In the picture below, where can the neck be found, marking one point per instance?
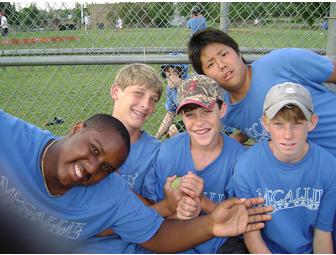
(213, 146)
(134, 133)
(49, 169)
(204, 155)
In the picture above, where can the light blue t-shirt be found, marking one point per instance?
(302, 194)
(139, 161)
(294, 65)
(174, 158)
(197, 24)
(171, 101)
(80, 213)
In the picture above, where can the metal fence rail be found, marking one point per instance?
(59, 60)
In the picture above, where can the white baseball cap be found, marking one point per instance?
(288, 93)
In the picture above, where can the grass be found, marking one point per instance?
(248, 36)
(38, 94)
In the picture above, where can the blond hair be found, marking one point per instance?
(290, 113)
(139, 74)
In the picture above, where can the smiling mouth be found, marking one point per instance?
(202, 132)
(78, 172)
(139, 114)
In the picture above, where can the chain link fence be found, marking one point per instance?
(59, 60)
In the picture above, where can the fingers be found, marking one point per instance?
(169, 180)
(254, 226)
(259, 218)
(260, 210)
(191, 184)
(229, 203)
(255, 201)
(188, 208)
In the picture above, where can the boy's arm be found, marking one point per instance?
(255, 243)
(207, 205)
(230, 218)
(322, 242)
(240, 137)
(165, 124)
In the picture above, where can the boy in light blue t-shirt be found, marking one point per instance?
(295, 176)
(203, 150)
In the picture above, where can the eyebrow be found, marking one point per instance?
(101, 148)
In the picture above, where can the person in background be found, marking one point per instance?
(3, 24)
(294, 175)
(174, 74)
(197, 21)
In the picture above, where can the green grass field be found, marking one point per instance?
(38, 94)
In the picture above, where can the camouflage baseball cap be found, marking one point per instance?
(200, 90)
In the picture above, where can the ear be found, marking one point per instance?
(222, 110)
(76, 128)
(114, 91)
(265, 122)
(313, 122)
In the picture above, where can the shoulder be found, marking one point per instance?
(253, 155)
(174, 143)
(146, 142)
(232, 144)
(323, 154)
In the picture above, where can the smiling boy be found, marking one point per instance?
(202, 149)
(295, 176)
(69, 187)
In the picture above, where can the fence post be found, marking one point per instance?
(224, 16)
(331, 45)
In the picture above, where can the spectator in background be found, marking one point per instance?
(87, 21)
(324, 25)
(197, 21)
(4, 24)
(119, 23)
(174, 75)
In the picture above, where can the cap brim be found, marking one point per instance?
(192, 101)
(274, 109)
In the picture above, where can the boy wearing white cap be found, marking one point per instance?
(202, 149)
(295, 176)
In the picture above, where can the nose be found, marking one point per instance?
(145, 102)
(92, 167)
(221, 64)
(288, 132)
(198, 119)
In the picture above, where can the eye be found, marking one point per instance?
(154, 100)
(210, 65)
(94, 149)
(107, 168)
(138, 93)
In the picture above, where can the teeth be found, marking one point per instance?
(140, 114)
(201, 132)
(78, 171)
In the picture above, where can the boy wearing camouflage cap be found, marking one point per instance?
(202, 149)
(295, 176)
